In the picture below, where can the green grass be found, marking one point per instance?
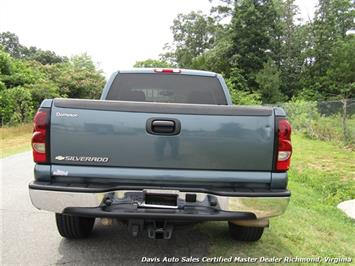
(15, 139)
(312, 225)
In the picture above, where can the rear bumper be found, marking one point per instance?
(128, 203)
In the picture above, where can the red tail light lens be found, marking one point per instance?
(167, 70)
(284, 145)
(39, 137)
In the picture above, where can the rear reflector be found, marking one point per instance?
(284, 145)
(167, 70)
(39, 137)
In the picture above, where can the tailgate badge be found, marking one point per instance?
(59, 114)
(60, 172)
(82, 159)
(60, 158)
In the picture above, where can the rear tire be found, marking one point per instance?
(245, 233)
(74, 227)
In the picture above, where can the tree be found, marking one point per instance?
(152, 63)
(30, 75)
(290, 40)
(17, 72)
(5, 63)
(238, 90)
(44, 57)
(217, 58)
(341, 78)
(253, 23)
(223, 10)
(79, 78)
(193, 34)
(269, 83)
(333, 19)
(237, 80)
(10, 43)
(245, 98)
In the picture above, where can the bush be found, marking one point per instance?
(243, 97)
(302, 114)
(25, 83)
(16, 106)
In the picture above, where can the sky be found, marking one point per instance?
(115, 33)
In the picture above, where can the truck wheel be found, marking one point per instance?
(74, 227)
(245, 233)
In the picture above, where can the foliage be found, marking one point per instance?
(305, 118)
(29, 75)
(16, 105)
(193, 34)
(217, 58)
(10, 44)
(340, 75)
(301, 113)
(245, 98)
(268, 79)
(291, 44)
(261, 47)
(152, 63)
(241, 97)
(333, 19)
(224, 9)
(253, 25)
(5, 63)
(79, 78)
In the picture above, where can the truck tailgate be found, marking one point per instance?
(115, 134)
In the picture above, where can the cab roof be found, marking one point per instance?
(175, 71)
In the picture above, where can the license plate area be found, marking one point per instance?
(159, 200)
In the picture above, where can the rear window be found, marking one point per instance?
(167, 88)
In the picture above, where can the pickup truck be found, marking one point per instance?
(161, 148)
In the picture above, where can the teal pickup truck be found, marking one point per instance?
(162, 147)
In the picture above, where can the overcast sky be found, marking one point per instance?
(116, 33)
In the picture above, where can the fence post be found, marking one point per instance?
(345, 130)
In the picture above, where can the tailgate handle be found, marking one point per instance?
(161, 126)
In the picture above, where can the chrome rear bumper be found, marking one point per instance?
(60, 201)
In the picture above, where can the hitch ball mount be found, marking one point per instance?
(155, 229)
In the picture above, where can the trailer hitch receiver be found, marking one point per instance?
(160, 230)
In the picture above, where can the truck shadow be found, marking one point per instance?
(114, 245)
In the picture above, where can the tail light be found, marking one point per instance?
(167, 70)
(284, 151)
(40, 136)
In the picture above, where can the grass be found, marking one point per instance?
(321, 176)
(15, 139)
